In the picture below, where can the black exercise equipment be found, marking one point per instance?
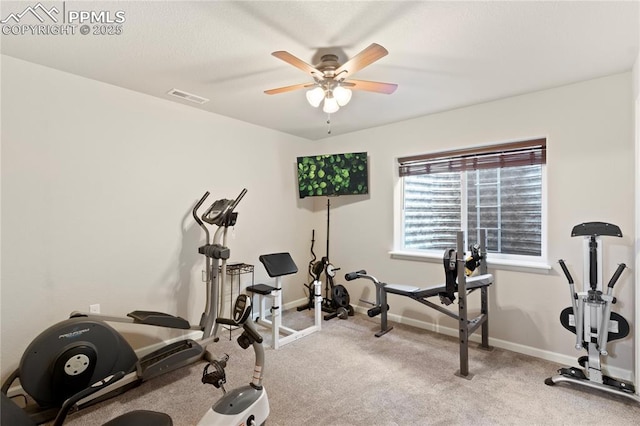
(13, 415)
(70, 356)
(315, 269)
(590, 318)
(336, 301)
(456, 281)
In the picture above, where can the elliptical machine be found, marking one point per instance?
(72, 355)
(590, 318)
(246, 405)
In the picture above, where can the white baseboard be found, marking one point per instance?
(563, 359)
(620, 373)
(616, 372)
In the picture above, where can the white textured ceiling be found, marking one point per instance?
(442, 55)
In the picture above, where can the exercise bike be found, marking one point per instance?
(71, 355)
(246, 405)
(590, 318)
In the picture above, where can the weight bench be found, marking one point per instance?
(416, 293)
(457, 281)
(278, 265)
(421, 295)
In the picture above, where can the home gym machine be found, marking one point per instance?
(590, 318)
(336, 302)
(456, 268)
(278, 265)
(246, 405)
(71, 355)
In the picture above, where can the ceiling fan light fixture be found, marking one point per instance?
(330, 76)
(315, 96)
(330, 104)
(342, 95)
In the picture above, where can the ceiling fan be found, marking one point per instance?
(332, 81)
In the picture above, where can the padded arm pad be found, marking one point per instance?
(278, 264)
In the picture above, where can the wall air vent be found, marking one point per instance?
(187, 96)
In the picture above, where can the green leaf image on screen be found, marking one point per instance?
(333, 174)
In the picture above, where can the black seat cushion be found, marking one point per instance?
(13, 415)
(260, 289)
(141, 418)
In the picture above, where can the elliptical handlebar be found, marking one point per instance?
(220, 213)
(238, 198)
(566, 271)
(194, 212)
(616, 275)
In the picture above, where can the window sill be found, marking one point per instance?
(503, 264)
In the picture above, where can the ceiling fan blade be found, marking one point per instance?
(371, 86)
(288, 88)
(368, 56)
(298, 63)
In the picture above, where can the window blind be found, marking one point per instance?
(521, 153)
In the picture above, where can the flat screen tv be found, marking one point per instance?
(333, 174)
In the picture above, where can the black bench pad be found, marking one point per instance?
(474, 282)
(260, 289)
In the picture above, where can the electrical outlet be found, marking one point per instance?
(94, 309)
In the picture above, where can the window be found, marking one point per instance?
(497, 188)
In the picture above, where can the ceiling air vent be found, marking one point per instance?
(187, 96)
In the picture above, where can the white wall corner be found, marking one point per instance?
(636, 77)
(636, 109)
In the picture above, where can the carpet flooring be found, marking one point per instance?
(344, 375)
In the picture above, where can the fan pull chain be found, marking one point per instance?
(328, 124)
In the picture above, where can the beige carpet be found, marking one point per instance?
(346, 376)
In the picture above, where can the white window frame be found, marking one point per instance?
(521, 263)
